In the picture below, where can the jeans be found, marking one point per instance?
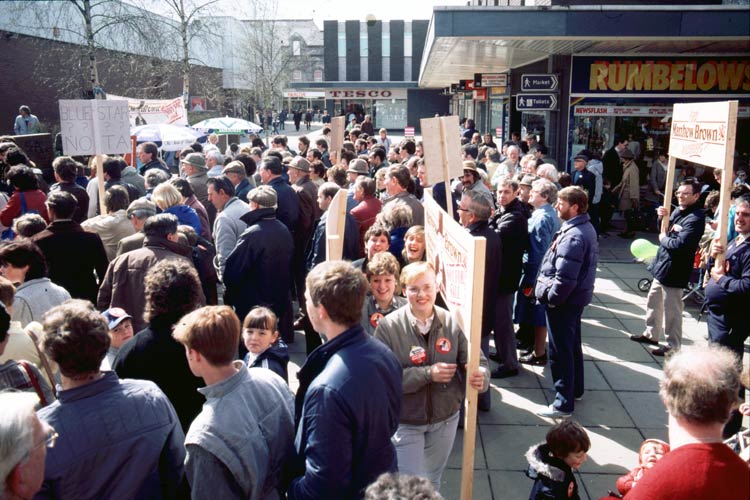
(565, 354)
(423, 450)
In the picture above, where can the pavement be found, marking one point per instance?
(620, 408)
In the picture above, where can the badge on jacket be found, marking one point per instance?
(375, 319)
(417, 355)
(443, 345)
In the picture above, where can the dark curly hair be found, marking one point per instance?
(172, 290)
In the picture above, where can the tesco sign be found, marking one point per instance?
(366, 94)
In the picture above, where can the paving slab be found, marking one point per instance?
(598, 311)
(451, 485)
(526, 379)
(613, 450)
(506, 445)
(614, 349)
(629, 376)
(627, 311)
(592, 377)
(599, 408)
(517, 408)
(510, 484)
(645, 408)
(456, 457)
(600, 327)
(655, 432)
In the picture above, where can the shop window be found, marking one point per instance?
(296, 49)
(318, 75)
(296, 75)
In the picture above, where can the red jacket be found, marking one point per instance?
(364, 213)
(34, 203)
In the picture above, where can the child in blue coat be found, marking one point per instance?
(265, 348)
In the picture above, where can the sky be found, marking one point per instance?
(343, 10)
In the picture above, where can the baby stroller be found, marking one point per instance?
(693, 292)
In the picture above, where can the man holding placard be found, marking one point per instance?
(671, 269)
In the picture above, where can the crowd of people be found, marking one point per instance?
(149, 330)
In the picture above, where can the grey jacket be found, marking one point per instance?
(239, 443)
(408, 199)
(227, 230)
(425, 401)
(130, 175)
(34, 298)
(119, 438)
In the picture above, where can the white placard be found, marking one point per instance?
(91, 127)
(153, 111)
(700, 132)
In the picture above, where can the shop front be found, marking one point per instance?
(304, 100)
(388, 107)
(632, 97)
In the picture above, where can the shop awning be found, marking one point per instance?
(462, 41)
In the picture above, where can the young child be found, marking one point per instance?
(652, 450)
(120, 331)
(265, 348)
(551, 464)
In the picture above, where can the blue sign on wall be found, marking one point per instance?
(538, 102)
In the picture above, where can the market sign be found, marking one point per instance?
(671, 75)
(546, 82)
(700, 132)
(365, 94)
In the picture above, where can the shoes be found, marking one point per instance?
(501, 372)
(523, 347)
(626, 235)
(299, 324)
(533, 359)
(643, 340)
(494, 357)
(579, 398)
(552, 412)
(661, 351)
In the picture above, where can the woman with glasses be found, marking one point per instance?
(433, 352)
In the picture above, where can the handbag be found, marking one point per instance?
(34, 382)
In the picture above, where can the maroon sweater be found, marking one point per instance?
(699, 471)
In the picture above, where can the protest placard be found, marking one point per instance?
(458, 259)
(338, 125)
(441, 140)
(153, 111)
(704, 133)
(335, 226)
(92, 128)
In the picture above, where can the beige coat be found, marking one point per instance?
(629, 188)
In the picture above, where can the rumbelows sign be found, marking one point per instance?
(663, 76)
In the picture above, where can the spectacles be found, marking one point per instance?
(49, 440)
(415, 290)
(462, 209)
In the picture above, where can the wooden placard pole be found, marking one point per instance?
(474, 336)
(668, 188)
(134, 152)
(446, 170)
(335, 226)
(99, 160)
(338, 125)
(458, 260)
(722, 230)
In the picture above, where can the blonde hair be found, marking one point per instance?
(414, 271)
(166, 195)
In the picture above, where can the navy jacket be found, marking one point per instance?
(347, 408)
(258, 271)
(586, 180)
(316, 250)
(275, 358)
(242, 189)
(287, 209)
(731, 294)
(568, 269)
(674, 259)
(511, 224)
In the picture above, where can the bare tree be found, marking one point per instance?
(88, 23)
(267, 57)
(184, 20)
